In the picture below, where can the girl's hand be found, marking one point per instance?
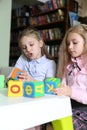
(26, 77)
(63, 91)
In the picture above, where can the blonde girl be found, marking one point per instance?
(34, 60)
(72, 69)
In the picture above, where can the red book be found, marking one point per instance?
(55, 6)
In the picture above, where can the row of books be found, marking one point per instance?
(43, 19)
(53, 50)
(46, 34)
(47, 18)
(21, 11)
(51, 34)
(20, 22)
(49, 5)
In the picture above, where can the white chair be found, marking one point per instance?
(5, 70)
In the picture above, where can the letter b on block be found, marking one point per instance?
(33, 89)
(15, 88)
(51, 83)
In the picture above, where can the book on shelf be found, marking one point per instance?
(54, 17)
(51, 34)
(47, 7)
(62, 3)
(42, 19)
(44, 34)
(54, 2)
(56, 50)
(56, 33)
(50, 5)
(47, 17)
(60, 14)
(47, 35)
(53, 50)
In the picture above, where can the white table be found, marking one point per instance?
(19, 113)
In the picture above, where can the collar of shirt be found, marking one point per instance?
(79, 63)
(40, 60)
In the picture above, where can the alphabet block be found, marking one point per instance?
(33, 89)
(51, 83)
(2, 81)
(15, 73)
(15, 88)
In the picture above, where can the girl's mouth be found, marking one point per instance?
(30, 55)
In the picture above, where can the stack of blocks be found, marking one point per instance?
(28, 89)
(17, 87)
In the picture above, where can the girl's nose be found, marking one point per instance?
(70, 45)
(28, 48)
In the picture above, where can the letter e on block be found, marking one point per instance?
(15, 88)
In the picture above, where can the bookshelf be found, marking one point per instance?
(50, 19)
(19, 20)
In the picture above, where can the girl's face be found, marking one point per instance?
(31, 47)
(75, 44)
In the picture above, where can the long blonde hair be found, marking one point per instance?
(64, 56)
(33, 32)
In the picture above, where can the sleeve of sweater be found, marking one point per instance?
(79, 89)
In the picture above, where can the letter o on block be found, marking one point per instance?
(15, 88)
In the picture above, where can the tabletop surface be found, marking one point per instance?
(19, 113)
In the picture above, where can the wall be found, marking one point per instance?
(5, 22)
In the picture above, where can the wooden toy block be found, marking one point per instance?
(33, 89)
(15, 73)
(15, 88)
(51, 83)
(2, 81)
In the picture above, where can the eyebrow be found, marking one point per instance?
(71, 40)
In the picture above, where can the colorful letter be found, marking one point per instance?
(15, 88)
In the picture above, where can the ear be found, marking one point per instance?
(41, 43)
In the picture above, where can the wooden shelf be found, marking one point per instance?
(52, 28)
(48, 12)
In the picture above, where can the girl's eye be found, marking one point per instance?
(24, 48)
(74, 42)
